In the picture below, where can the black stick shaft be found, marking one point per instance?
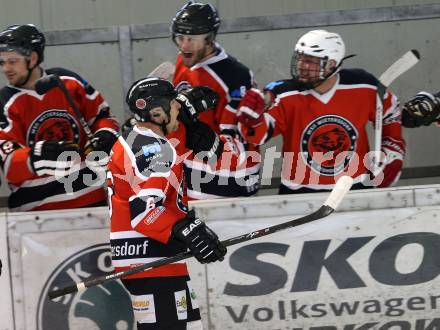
(72, 103)
(322, 212)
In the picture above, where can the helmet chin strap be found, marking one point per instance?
(320, 81)
(163, 125)
(28, 76)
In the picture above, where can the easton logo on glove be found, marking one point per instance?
(191, 227)
(187, 104)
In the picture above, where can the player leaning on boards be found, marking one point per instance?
(423, 109)
(149, 213)
(35, 130)
(203, 62)
(322, 113)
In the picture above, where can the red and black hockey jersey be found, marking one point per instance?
(230, 79)
(28, 118)
(147, 197)
(324, 136)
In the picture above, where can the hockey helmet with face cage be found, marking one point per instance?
(23, 39)
(321, 44)
(149, 93)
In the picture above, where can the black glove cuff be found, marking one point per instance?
(203, 141)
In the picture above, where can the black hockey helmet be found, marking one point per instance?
(196, 18)
(23, 39)
(148, 93)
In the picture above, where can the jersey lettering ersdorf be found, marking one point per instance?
(324, 136)
(230, 79)
(28, 118)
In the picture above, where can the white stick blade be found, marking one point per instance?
(339, 191)
(163, 70)
(403, 64)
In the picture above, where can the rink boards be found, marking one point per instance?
(374, 264)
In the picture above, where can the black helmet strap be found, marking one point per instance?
(30, 70)
(146, 116)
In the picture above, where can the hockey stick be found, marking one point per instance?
(46, 83)
(163, 70)
(400, 66)
(334, 199)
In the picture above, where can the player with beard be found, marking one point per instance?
(203, 62)
(38, 133)
(322, 114)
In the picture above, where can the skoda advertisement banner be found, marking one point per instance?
(354, 270)
(55, 259)
(351, 271)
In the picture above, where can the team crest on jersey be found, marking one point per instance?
(53, 125)
(328, 144)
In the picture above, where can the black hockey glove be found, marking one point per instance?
(194, 101)
(103, 140)
(53, 157)
(201, 241)
(203, 141)
(422, 109)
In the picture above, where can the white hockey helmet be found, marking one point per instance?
(322, 44)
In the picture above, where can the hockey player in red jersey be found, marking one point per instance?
(322, 115)
(203, 62)
(423, 109)
(148, 201)
(39, 132)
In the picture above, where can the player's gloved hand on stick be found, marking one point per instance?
(422, 109)
(251, 108)
(201, 241)
(53, 157)
(103, 140)
(391, 163)
(194, 101)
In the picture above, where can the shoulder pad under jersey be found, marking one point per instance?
(281, 86)
(65, 72)
(357, 77)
